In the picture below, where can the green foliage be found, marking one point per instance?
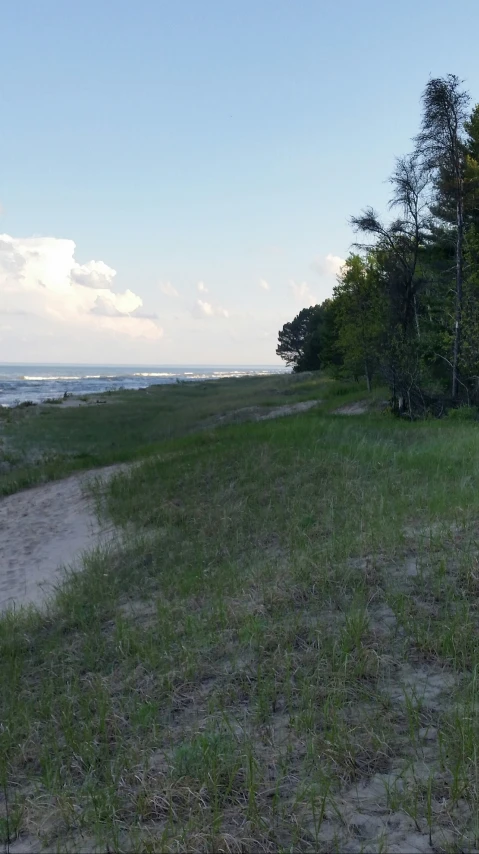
(463, 413)
(292, 336)
(360, 316)
(308, 342)
(407, 307)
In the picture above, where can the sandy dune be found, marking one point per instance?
(47, 527)
(42, 529)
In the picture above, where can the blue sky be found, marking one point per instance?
(179, 142)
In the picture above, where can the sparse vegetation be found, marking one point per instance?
(44, 443)
(278, 654)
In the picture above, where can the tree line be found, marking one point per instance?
(405, 309)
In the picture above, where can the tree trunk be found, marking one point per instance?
(459, 265)
(416, 317)
(368, 378)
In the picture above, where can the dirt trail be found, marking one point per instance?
(43, 529)
(48, 527)
(257, 413)
(358, 408)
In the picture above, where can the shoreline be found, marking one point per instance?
(29, 389)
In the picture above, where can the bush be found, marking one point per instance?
(342, 389)
(464, 413)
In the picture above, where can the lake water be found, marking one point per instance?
(38, 382)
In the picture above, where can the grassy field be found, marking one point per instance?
(41, 443)
(280, 653)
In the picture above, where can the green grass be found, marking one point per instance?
(279, 654)
(42, 443)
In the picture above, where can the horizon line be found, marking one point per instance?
(152, 364)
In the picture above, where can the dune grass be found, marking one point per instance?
(45, 442)
(279, 653)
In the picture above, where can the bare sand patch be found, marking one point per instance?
(43, 529)
(258, 413)
(358, 408)
(288, 409)
(75, 402)
(47, 527)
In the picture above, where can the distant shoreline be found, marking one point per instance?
(24, 383)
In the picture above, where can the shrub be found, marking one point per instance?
(464, 413)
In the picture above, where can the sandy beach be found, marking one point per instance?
(42, 530)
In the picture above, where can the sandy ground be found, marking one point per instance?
(48, 527)
(43, 529)
(289, 409)
(358, 408)
(256, 413)
(75, 402)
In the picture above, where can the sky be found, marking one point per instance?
(177, 176)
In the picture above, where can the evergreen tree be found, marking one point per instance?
(440, 146)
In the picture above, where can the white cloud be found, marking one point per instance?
(329, 265)
(40, 276)
(264, 284)
(301, 292)
(147, 315)
(116, 305)
(206, 309)
(202, 288)
(168, 289)
(105, 308)
(95, 274)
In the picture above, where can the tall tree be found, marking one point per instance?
(400, 241)
(441, 149)
(320, 346)
(471, 182)
(292, 336)
(361, 314)
(308, 341)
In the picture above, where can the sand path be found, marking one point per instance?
(358, 408)
(48, 527)
(43, 529)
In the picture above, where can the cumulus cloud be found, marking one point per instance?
(95, 274)
(301, 292)
(114, 305)
(168, 289)
(264, 284)
(40, 275)
(202, 288)
(105, 308)
(206, 309)
(146, 315)
(329, 265)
